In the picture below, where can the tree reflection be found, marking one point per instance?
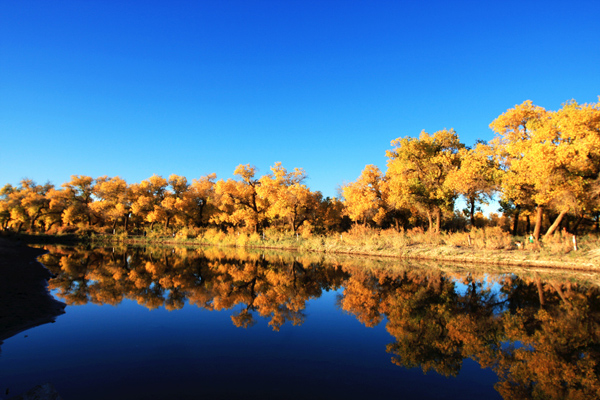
(270, 287)
(541, 336)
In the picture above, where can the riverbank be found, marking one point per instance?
(24, 298)
(478, 247)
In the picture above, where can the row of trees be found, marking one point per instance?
(277, 199)
(540, 163)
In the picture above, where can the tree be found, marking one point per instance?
(77, 195)
(24, 205)
(329, 216)
(199, 196)
(113, 200)
(288, 198)
(514, 128)
(239, 201)
(476, 177)
(417, 172)
(147, 199)
(34, 201)
(364, 199)
(5, 205)
(549, 159)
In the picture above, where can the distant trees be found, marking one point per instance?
(279, 199)
(543, 165)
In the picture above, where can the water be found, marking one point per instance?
(180, 324)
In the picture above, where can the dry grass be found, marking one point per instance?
(489, 244)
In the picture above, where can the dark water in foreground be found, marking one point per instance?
(182, 324)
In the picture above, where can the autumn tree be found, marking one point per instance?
(330, 214)
(548, 159)
(77, 195)
(288, 197)
(11, 209)
(148, 196)
(576, 128)
(25, 204)
(113, 200)
(5, 205)
(239, 202)
(200, 200)
(476, 177)
(417, 172)
(175, 203)
(364, 199)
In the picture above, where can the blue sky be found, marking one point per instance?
(136, 88)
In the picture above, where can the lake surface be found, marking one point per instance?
(156, 323)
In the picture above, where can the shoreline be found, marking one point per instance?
(444, 253)
(574, 261)
(24, 298)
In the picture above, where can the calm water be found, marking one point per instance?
(181, 324)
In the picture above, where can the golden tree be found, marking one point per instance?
(364, 199)
(113, 200)
(476, 178)
(239, 202)
(288, 198)
(147, 199)
(199, 200)
(25, 204)
(417, 172)
(549, 159)
(77, 195)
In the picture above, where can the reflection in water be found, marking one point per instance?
(541, 337)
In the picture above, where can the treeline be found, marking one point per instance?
(543, 165)
(279, 199)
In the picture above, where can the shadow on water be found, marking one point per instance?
(539, 332)
(24, 298)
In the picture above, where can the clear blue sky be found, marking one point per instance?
(136, 88)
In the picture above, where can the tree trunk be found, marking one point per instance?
(430, 219)
(539, 215)
(528, 224)
(293, 224)
(540, 289)
(438, 220)
(472, 205)
(515, 229)
(555, 224)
